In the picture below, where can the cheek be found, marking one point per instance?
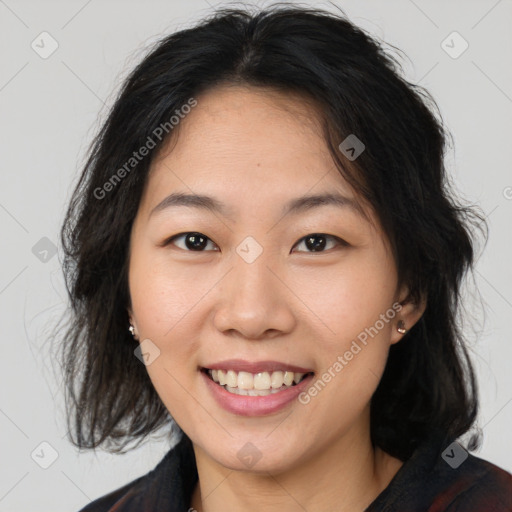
(162, 304)
(354, 302)
(351, 365)
(163, 300)
(164, 295)
(170, 306)
(347, 298)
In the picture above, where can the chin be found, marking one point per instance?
(259, 455)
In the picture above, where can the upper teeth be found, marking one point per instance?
(259, 381)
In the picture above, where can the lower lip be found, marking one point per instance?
(255, 405)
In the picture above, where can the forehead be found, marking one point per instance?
(246, 140)
(233, 125)
(268, 104)
(239, 124)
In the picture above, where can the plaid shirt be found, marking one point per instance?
(439, 477)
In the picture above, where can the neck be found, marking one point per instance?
(345, 476)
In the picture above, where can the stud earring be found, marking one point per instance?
(132, 330)
(401, 327)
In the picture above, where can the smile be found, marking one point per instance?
(253, 389)
(255, 384)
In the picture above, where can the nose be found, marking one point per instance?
(253, 301)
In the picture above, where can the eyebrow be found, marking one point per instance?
(295, 206)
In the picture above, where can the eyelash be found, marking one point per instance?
(338, 240)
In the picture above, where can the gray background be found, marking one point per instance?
(49, 111)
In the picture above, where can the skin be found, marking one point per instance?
(254, 150)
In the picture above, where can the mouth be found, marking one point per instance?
(258, 384)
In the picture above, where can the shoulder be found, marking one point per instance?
(128, 496)
(441, 476)
(166, 487)
(478, 485)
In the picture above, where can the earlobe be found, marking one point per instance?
(410, 313)
(132, 325)
(400, 327)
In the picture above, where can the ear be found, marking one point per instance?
(409, 313)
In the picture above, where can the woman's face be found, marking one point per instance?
(233, 283)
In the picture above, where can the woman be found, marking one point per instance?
(264, 252)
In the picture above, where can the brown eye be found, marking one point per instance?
(317, 242)
(193, 241)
